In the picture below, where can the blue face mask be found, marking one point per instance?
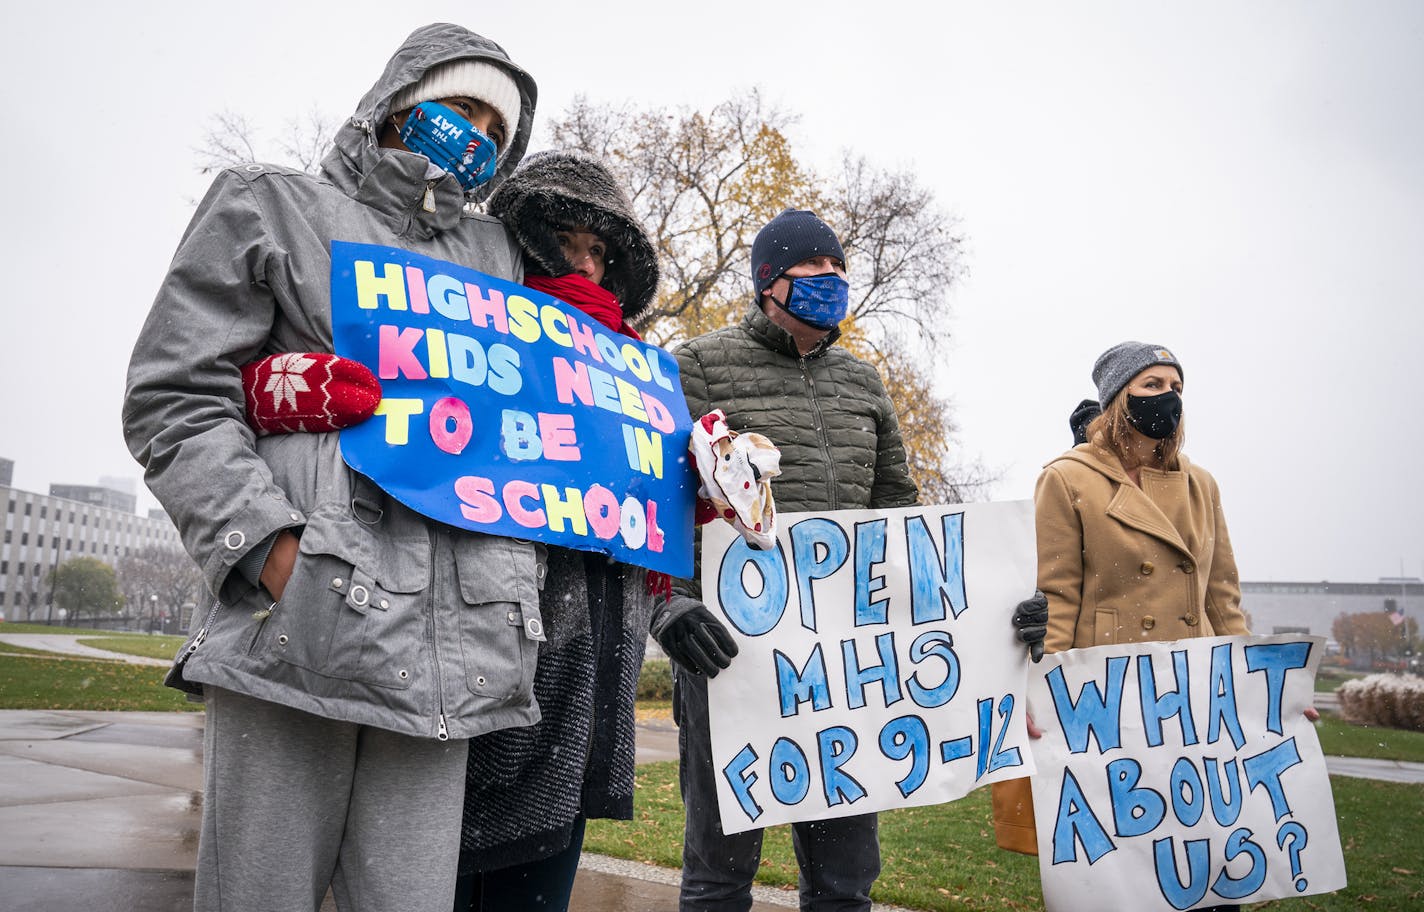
(451, 142)
(820, 300)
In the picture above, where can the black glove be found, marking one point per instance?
(696, 640)
(1082, 416)
(1031, 623)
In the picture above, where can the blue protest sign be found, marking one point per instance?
(507, 411)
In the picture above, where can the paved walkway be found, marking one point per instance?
(69, 644)
(100, 810)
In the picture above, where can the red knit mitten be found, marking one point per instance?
(308, 391)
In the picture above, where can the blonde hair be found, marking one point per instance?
(1113, 430)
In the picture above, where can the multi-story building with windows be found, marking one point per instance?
(1313, 607)
(42, 531)
(98, 495)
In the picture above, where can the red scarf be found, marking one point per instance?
(594, 300)
(599, 303)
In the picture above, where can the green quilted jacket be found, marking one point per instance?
(827, 411)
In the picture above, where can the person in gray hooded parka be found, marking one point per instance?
(355, 646)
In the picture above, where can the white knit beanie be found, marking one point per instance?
(476, 79)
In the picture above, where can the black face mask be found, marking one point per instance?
(1156, 416)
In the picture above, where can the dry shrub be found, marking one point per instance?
(1389, 700)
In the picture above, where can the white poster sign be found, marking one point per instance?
(1181, 774)
(878, 666)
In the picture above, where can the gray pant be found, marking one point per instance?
(839, 859)
(295, 803)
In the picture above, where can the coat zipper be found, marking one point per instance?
(202, 632)
(831, 486)
(442, 731)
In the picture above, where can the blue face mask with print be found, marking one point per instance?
(451, 142)
(820, 300)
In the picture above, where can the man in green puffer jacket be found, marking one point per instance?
(779, 373)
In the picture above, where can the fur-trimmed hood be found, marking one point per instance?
(553, 190)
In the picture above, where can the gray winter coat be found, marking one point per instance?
(389, 619)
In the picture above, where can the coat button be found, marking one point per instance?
(359, 595)
(385, 603)
(1191, 619)
(403, 674)
(337, 582)
(1147, 568)
(1148, 622)
(234, 539)
(282, 640)
(480, 680)
(1187, 567)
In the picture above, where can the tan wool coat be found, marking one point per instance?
(1122, 564)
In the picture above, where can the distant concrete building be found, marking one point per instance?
(98, 495)
(1313, 607)
(42, 532)
(7, 472)
(124, 484)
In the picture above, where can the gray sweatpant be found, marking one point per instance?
(839, 859)
(294, 803)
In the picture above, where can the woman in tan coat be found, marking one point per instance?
(1132, 541)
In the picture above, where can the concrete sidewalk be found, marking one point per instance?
(100, 810)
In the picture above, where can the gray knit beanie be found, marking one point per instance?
(1117, 366)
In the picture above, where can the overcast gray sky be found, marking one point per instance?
(1239, 181)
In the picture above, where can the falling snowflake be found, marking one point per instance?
(287, 380)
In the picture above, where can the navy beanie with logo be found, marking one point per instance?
(793, 236)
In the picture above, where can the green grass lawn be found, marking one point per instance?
(944, 857)
(42, 682)
(1343, 739)
(19, 627)
(1330, 679)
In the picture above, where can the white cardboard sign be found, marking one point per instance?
(1181, 774)
(878, 666)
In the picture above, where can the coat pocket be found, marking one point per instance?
(1105, 629)
(499, 620)
(353, 608)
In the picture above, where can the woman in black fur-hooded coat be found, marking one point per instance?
(529, 790)
(552, 191)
